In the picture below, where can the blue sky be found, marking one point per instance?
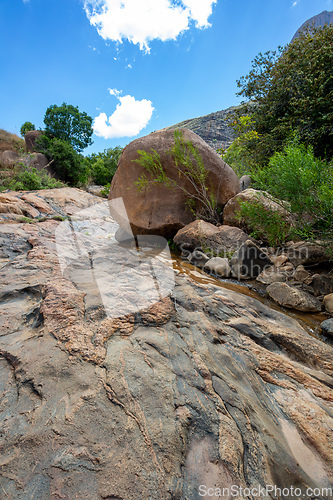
(135, 66)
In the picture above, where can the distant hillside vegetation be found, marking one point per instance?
(10, 142)
(212, 128)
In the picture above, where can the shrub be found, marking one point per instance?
(265, 223)
(68, 165)
(104, 165)
(31, 179)
(295, 175)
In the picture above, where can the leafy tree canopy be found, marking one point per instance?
(67, 123)
(26, 127)
(103, 165)
(290, 92)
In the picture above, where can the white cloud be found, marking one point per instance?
(141, 21)
(129, 118)
(115, 92)
(295, 3)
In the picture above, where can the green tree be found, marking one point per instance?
(290, 91)
(103, 165)
(67, 123)
(67, 164)
(26, 127)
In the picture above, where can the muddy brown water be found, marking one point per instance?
(309, 321)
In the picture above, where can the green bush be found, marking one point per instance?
(266, 224)
(240, 154)
(105, 191)
(32, 179)
(296, 176)
(103, 165)
(68, 165)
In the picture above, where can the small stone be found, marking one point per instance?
(272, 275)
(249, 261)
(328, 303)
(293, 298)
(327, 327)
(302, 275)
(219, 266)
(198, 258)
(279, 260)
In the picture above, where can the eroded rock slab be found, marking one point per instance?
(203, 387)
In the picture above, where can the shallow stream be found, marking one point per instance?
(309, 321)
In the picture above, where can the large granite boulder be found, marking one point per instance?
(157, 209)
(31, 138)
(205, 388)
(212, 239)
(8, 159)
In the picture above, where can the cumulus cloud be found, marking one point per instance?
(129, 118)
(140, 21)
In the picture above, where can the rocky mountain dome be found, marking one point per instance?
(212, 128)
(325, 17)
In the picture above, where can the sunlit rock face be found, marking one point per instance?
(213, 128)
(161, 210)
(188, 387)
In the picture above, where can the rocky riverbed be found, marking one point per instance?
(124, 379)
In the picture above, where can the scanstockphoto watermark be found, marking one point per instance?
(294, 253)
(97, 249)
(263, 492)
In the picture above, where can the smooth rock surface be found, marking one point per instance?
(293, 298)
(272, 275)
(204, 386)
(8, 159)
(157, 209)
